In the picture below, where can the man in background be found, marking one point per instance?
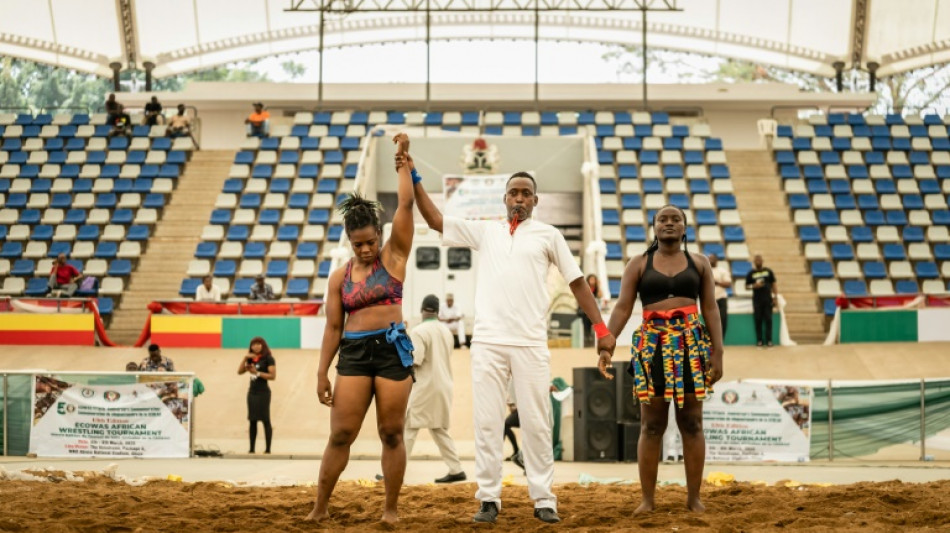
(156, 362)
(723, 280)
(261, 291)
(430, 403)
(258, 122)
(64, 277)
(452, 317)
(764, 298)
(208, 291)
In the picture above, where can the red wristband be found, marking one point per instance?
(601, 330)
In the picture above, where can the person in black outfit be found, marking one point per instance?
(764, 298)
(261, 365)
(153, 113)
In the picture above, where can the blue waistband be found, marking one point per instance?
(364, 334)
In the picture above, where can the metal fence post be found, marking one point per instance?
(923, 420)
(6, 410)
(831, 424)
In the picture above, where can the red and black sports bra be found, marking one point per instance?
(379, 288)
(655, 287)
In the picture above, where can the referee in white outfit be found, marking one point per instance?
(510, 335)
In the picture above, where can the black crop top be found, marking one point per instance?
(655, 287)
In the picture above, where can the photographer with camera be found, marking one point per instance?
(261, 365)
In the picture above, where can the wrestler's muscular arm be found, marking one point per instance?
(396, 251)
(332, 334)
(585, 299)
(427, 209)
(710, 310)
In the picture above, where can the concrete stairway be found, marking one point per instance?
(770, 231)
(165, 261)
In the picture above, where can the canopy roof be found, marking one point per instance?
(181, 36)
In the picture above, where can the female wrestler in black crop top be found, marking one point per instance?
(675, 357)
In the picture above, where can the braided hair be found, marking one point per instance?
(359, 212)
(655, 245)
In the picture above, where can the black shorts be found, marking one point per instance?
(659, 378)
(371, 357)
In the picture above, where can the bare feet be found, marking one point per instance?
(645, 507)
(695, 505)
(389, 517)
(314, 516)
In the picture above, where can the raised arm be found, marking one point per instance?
(710, 310)
(427, 209)
(332, 334)
(400, 241)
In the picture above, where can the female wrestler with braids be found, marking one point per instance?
(375, 352)
(675, 357)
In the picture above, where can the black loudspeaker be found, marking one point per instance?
(628, 408)
(595, 417)
(628, 435)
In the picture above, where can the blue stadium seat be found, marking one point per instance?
(23, 268)
(300, 130)
(298, 288)
(842, 252)
(785, 157)
(884, 186)
(255, 250)
(277, 269)
(605, 130)
(169, 171)
(929, 186)
(902, 172)
(269, 144)
(585, 117)
(122, 216)
(913, 234)
(649, 157)
(121, 186)
(324, 118)
(233, 186)
(857, 172)
(635, 234)
(823, 130)
(298, 201)
(610, 217)
(262, 171)
(627, 171)
(333, 157)
(652, 186)
(801, 143)
(813, 172)
(206, 250)
(244, 157)
(75, 217)
(350, 143)
(841, 144)
(307, 250)
(238, 233)
(106, 250)
(75, 144)
(699, 186)
(614, 251)
(874, 217)
(16, 200)
(672, 172)
(120, 268)
(30, 216)
(632, 143)
(809, 233)
(288, 233)
(3, 232)
(269, 217)
(224, 268)
(711, 248)
(822, 270)
(119, 143)
(679, 200)
(941, 251)
(318, 217)
(894, 252)
(36, 287)
(29, 171)
(901, 143)
(829, 306)
(918, 158)
(337, 130)
(630, 201)
(662, 117)
(323, 270)
(839, 186)
(614, 285)
(789, 172)
(673, 143)
(862, 234)
(913, 201)
(188, 287)
(43, 232)
(87, 232)
(875, 270)
(927, 270)
(392, 117)
(854, 287)
(106, 305)
(733, 234)
(359, 117)
(828, 218)
(605, 158)
(328, 186)
(154, 201)
(896, 218)
(725, 201)
(874, 158)
(548, 118)
(693, 157)
(309, 171)
(868, 201)
(334, 233)
(137, 233)
(280, 185)
(829, 158)
(526, 131)
(906, 286)
(845, 201)
(718, 172)
(941, 217)
(11, 250)
(250, 201)
(562, 130)
(608, 186)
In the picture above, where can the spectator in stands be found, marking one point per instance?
(258, 122)
(452, 317)
(64, 277)
(430, 403)
(156, 362)
(179, 125)
(131, 366)
(375, 351)
(260, 363)
(207, 291)
(764, 299)
(153, 113)
(595, 289)
(261, 291)
(112, 107)
(121, 123)
(723, 280)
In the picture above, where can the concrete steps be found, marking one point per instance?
(165, 261)
(770, 231)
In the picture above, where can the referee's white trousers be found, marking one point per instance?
(530, 369)
(443, 440)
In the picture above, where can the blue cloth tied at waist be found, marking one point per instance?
(395, 335)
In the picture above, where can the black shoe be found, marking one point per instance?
(488, 513)
(546, 514)
(769, 344)
(451, 478)
(379, 477)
